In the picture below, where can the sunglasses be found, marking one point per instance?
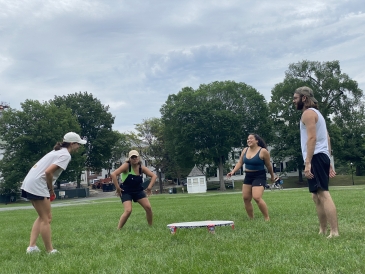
(134, 157)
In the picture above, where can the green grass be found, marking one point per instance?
(293, 182)
(85, 234)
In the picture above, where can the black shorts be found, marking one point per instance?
(255, 178)
(320, 169)
(135, 196)
(31, 196)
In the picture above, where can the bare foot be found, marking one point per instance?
(333, 235)
(267, 219)
(321, 232)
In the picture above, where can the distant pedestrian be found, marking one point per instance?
(255, 157)
(132, 188)
(316, 150)
(38, 187)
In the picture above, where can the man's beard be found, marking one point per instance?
(300, 105)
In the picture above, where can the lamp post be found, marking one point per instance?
(352, 174)
(159, 178)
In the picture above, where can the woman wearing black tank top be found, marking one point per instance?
(255, 157)
(132, 189)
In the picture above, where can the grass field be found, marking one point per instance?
(85, 234)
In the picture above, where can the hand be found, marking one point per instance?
(332, 173)
(148, 191)
(118, 191)
(307, 171)
(272, 179)
(51, 191)
(229, 174)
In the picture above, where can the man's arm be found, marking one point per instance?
(329, 144)
(309, 119)
(332, 173)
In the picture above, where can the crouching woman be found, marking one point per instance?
(131, 187)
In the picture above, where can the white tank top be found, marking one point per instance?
(321, 136)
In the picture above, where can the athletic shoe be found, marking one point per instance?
(33, 249)
(54, 251)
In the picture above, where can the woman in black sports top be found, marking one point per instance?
(255, 157)
(131, 187)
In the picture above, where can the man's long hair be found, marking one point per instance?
(307, 103)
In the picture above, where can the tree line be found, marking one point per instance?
(197, 126)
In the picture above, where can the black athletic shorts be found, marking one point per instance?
(320, 169)
(255, 178)
(31, 196)
(135, 196)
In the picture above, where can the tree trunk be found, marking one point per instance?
(300, 175)
(221, 180)
(358, 171)
(78, 180)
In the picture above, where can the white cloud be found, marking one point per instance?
(133, 54)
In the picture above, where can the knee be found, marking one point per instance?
(127, 212)
(46, 219)
(148, 209)
(247, 199)
(257, 199)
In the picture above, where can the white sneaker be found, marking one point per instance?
(33, 249)
(54, 251)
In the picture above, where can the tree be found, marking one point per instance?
(120, 148)
(96, 124)
(204, 125)
(352, 130)
(153, 147)
(29, 134)
(337, 96)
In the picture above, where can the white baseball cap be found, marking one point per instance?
(133, 153)
(73, 137)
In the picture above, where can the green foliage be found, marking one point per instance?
(96, 124)
(121, 147)
(351, 129)
(29, 134)
(151, 142)
(203, 125)
(289, 243)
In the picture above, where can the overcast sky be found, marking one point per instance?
(132, 54)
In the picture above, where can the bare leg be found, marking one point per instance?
(257, 192)
(247, 197)
(330, 210)
(145, 203)
(42, 224)
(127, 212)
(321, 214)
(35, 232)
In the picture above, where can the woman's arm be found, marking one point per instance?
(49, 177)
(153, 176)
(238, 165)
(123, 168)
(266, 157)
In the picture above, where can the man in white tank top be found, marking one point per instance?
(316, 150)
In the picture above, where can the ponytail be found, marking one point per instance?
(60, 145)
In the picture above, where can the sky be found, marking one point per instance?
(131, 55)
